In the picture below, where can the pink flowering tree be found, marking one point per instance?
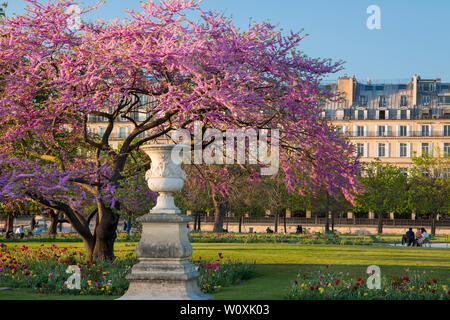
(160, 71)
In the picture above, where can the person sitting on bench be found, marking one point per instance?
(408, 238)
(423, 238)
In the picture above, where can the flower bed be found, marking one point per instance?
(316, 238)
(45, 270)
(68, 237)
(328, 285)
(218, 274)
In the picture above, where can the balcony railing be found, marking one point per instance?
(395, 134)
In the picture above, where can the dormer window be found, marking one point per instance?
(363, 100)
(403, 101)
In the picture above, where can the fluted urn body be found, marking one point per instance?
(164, 271)
(165, 175)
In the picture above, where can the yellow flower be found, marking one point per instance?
(321, 290)
(365, 294)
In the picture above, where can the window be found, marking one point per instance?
(363, 100)
(122, 132)
(402, 131)
(360, 131)
(360, 114)
(101, 131)
(446, 131)
(444, 100)
(368, 88)
(426, 100)
(381, 88)
(360, 149)
(425, 132)
(382, 115)
(403, 150)
(446, 149)
(381, 150)
(382, 101)
(425, 148)
(427, 87)
(381, 131)
(403, 114)
(403, 101)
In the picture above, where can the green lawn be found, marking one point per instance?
(278, 265)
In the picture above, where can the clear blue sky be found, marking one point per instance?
(414, 35)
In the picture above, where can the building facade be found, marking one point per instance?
(393, 122)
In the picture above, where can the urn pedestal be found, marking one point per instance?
(164, 271)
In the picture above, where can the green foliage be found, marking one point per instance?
(430, 185)
(218, 274)
(385, 188)
(316, 238)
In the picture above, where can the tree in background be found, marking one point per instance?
(385, 190)
(430, 186)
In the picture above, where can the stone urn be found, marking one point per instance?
(164, 271)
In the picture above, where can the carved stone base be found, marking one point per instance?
(164, 271)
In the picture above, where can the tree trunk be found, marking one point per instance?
(327, 214)
(105, 232)
(240, 223)
(284, 222)
(433, 224)
(53, 223)
(220, 209)
(276, 222)
(195, 220)
(380, 223)
(10, 224)
(32, 222)
(332, 221)
(327, 222)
